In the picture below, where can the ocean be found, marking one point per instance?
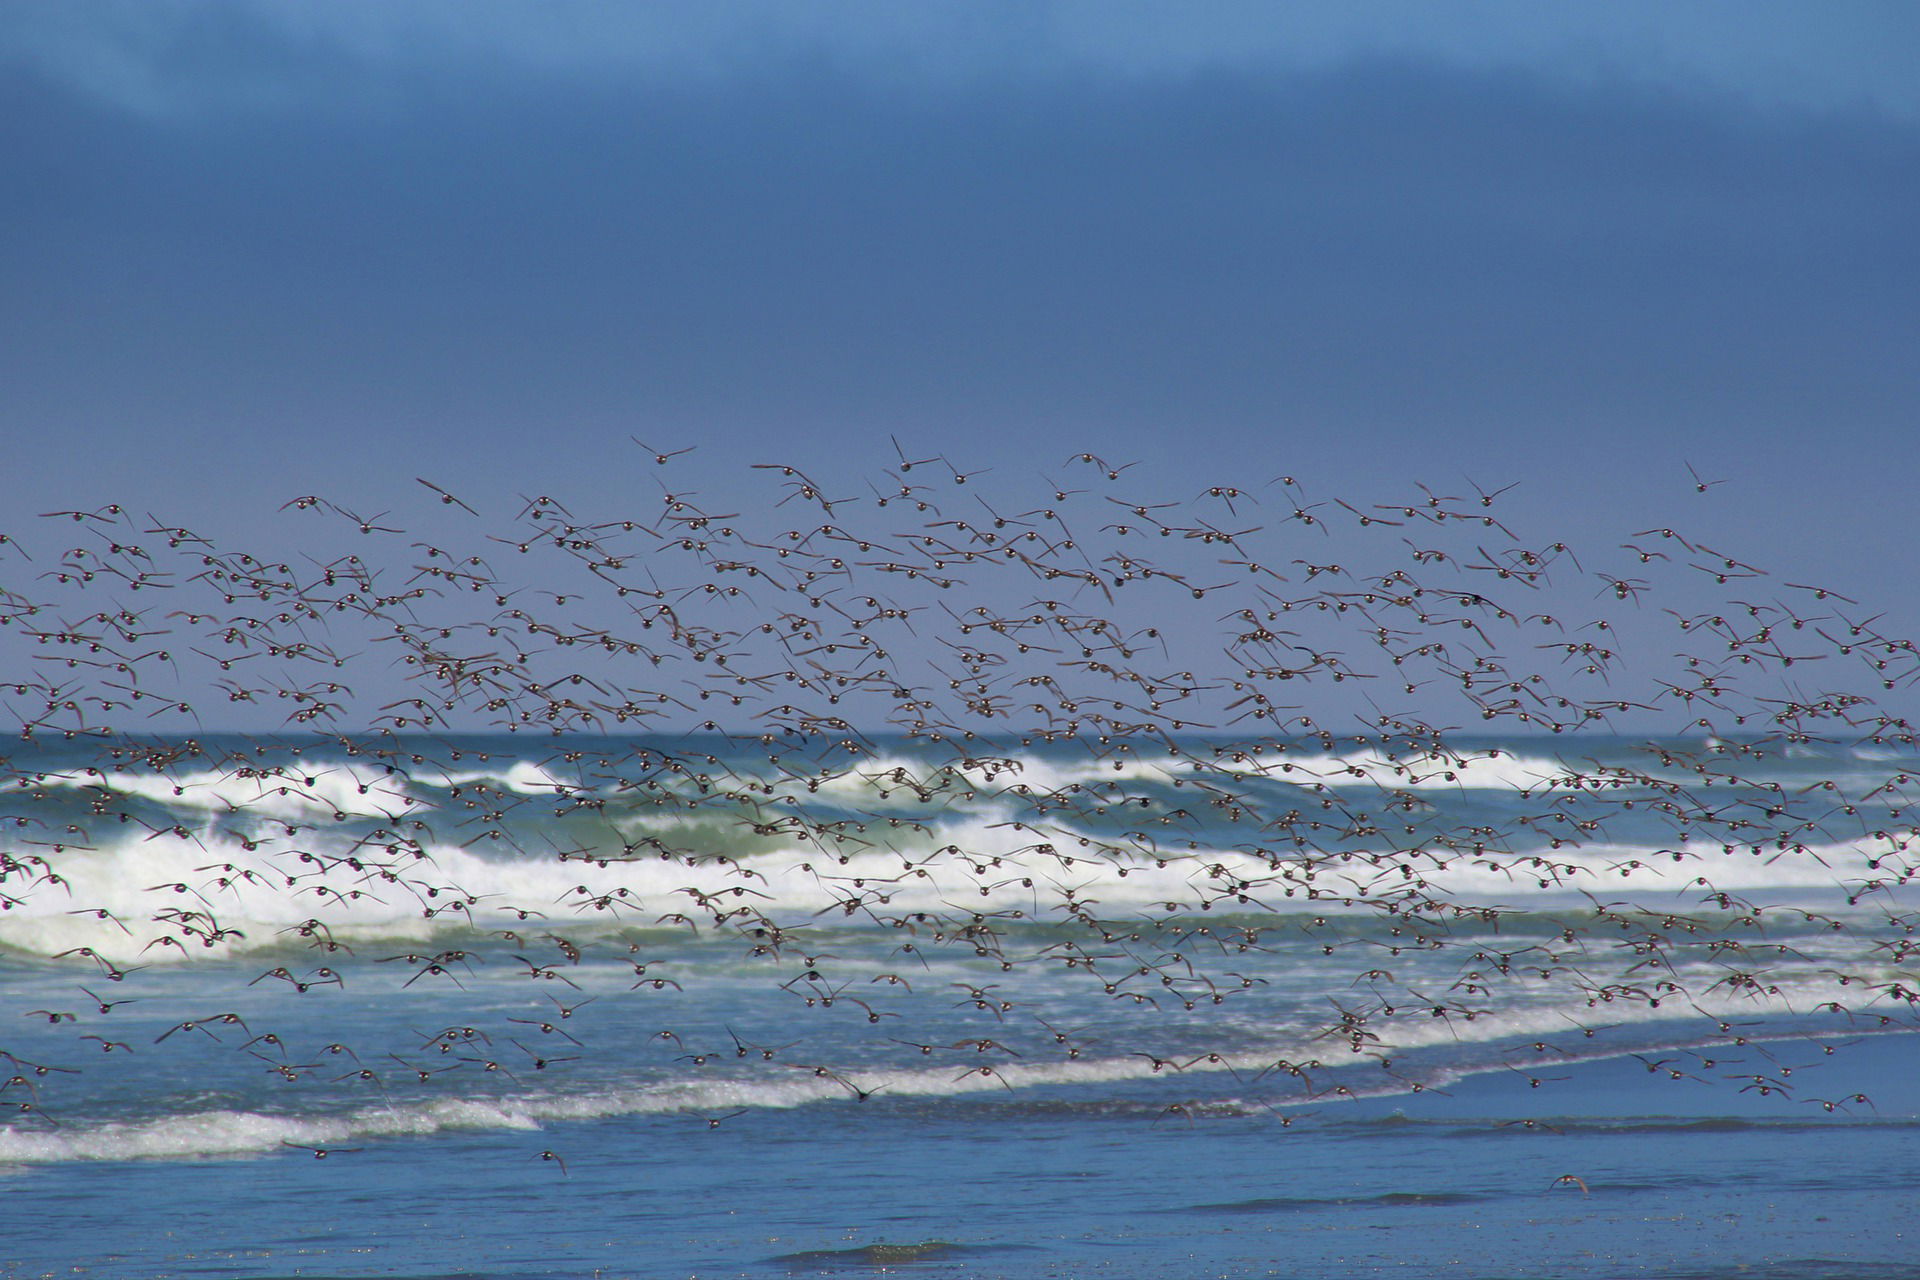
(492, 1005)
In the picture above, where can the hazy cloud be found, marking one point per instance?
(172, 56)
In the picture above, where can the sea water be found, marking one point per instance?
(505, 1005)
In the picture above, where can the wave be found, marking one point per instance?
(1492, 768)
(885, 1257)
(1023, 1088)
(1319, 1204)
(217, 892)
(316, 790)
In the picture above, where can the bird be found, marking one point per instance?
(319, 1153)
(1094, 754)
(1700, 485)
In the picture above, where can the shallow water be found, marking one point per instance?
(1444, 1185)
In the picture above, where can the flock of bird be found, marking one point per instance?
(1242, 647)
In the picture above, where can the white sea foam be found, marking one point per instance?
(218, 893)
(318, 789)
(522, 777)
(221, 1133)
(1495, 768)
(899, 781)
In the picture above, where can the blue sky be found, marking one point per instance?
(259, 250)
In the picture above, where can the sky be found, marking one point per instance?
(250, 251)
